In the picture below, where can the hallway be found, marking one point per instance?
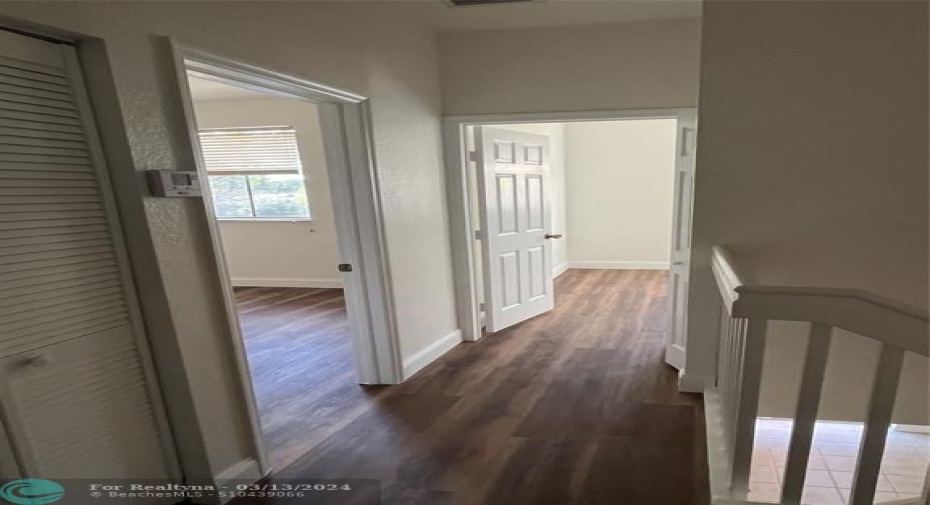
(568, 408)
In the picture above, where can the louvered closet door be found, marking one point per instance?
(77, 394)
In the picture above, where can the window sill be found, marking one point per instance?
(265, 219)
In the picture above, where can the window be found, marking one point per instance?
(255, 173)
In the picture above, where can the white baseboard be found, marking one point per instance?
(911, 428)
(424, 357)
(559, 270)
(620, 265)
(272, 282)
(246, 471)
(716, 453)
(690, 383)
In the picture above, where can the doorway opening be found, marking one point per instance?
(290, 197)
(542, 202)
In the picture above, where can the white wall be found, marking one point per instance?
(619, 179)
(275, 253)
(374, 51)
(611, 66)
(812, 167)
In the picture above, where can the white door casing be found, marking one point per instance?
(514, 207)
(679, 273)
(345, 120)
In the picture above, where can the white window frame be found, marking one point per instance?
(270, 171)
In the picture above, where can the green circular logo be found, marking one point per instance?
(32, 492)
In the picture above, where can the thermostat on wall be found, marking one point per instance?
(173, 183)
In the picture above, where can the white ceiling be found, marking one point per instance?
(203, 90)
(444, 17)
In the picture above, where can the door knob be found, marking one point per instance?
(553, 235)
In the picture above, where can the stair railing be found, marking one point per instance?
(733, 403)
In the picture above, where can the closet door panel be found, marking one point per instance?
(78, 394)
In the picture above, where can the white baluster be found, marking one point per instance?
(881, 405)
(815, 364)
(727, 396)
(753, 358)
(736, 363)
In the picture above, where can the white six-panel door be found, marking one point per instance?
(77, 393)
(513, 197)
(681, 239)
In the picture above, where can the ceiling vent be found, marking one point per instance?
(461, 3)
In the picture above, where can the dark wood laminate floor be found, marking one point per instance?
(572, 407)
(300, 356)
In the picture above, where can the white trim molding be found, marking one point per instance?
(716, 453)
(620, 265)
(419, 360)
(275, 282)
(911, 428)
(690, 383)
(559, 270)
(247, 471)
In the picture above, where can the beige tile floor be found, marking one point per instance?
(833, 457)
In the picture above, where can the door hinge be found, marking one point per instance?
(345, 267)
(482, 307)
(479, 235)
(472, 156)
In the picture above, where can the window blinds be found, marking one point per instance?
(249, 150)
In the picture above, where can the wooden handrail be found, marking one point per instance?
(888, 321)
(729, 280)
(859, 294)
